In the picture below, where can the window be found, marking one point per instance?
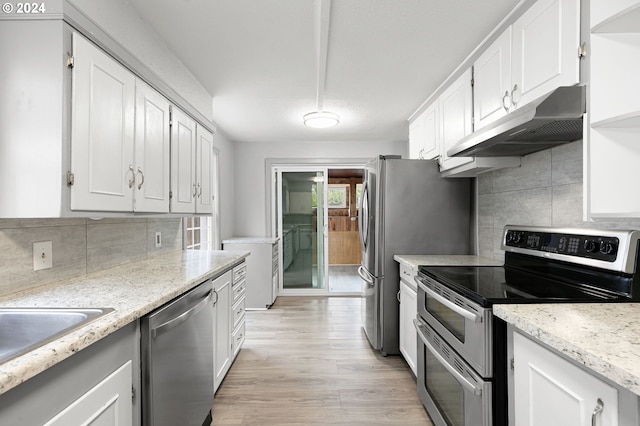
(197, 233)
(203, 232)
(338, 196)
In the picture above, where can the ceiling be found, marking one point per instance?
(268, 62)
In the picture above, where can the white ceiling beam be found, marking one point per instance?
(322, 15)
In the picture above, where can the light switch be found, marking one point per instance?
(42, 255)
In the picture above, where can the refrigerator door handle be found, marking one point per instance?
(365, 276)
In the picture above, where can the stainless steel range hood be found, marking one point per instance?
(551, 120)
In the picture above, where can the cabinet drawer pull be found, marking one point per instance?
(141, 178)
(506, 101)
(513, 96)
(132, 176)
(596, 411)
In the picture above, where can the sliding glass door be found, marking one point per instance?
(301, 224)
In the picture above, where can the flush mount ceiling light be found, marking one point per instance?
(320, 119)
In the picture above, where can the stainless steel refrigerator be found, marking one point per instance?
(406, 207)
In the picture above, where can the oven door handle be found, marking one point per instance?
(448, 303)
(477, 391)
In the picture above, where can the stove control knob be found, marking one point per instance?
(591, 246)
(608, 248)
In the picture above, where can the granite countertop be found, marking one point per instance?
(604, 338)
(132, 290)
(251, 240)
(413, 261)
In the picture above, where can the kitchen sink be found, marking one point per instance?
(25, 329)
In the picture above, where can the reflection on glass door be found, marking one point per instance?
(301, 226)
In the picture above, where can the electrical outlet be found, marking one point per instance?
(42, 255)
(158, 239)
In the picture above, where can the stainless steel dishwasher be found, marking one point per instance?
(177, 360)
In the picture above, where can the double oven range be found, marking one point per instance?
(462, 347)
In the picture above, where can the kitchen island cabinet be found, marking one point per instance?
(566, 357)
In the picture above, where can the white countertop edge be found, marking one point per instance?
(600, 345)
(132, 290)
(413, 261)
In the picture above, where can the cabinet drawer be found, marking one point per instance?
(238, 312)
(237, 338)
(239, 272)
(239, 289)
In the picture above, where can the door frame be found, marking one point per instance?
(321, 233)
(272, 165)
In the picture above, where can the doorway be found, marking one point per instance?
(314, 212)
(343, 197)
(301, 219)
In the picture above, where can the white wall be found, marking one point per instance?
(226, 186)
(122, 23)
(249, 178)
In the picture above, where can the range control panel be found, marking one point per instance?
(587, 246)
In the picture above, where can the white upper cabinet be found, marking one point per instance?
(205, 171)
(546, 42)
(119, 137)
(492, 82)
(183, 163)
(456, 115)
(192, 165)
(611, 148)
(102, 131)
(535, 55)
(151, 150)
(424, 137)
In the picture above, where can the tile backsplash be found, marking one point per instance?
(546, 190)
(80, 246)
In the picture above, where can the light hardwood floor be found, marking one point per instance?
(306, 361)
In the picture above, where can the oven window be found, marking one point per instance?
(449, 319)
(445, 390)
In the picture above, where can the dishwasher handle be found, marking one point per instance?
(174, 322)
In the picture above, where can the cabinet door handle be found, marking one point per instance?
(506, 101)
(596, 411)
(398, 296)
(141, 178)
(421, 154)
(195, 190)
(199, 190)
(513, 96)
(132, 176)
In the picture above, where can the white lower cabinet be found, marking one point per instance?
(107, 403)
(222, 318)
(408, 311)
(550, 390)
(229, 309)
(99, 386)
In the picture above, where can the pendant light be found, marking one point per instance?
(319, 118)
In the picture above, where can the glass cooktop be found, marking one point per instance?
(487, 285)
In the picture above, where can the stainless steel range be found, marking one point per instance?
(462, 359)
